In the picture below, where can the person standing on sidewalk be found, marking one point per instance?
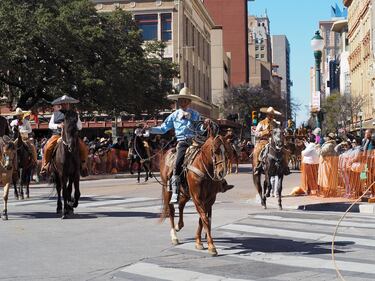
(328, 167)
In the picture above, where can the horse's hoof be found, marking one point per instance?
(212, 251)
(179, 227)
(175, 242)
(280, 208)
(199, 246)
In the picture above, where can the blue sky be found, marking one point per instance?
(298, 20)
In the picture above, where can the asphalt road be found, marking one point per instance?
(116, 234)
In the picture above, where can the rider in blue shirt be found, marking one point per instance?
(182, 121)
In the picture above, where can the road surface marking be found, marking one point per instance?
(167, 273)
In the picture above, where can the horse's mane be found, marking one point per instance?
(71, 119)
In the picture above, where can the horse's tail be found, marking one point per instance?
(164, 212)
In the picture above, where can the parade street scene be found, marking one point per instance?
(211, 140)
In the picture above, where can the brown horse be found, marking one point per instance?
(8, 161)
(203, 180)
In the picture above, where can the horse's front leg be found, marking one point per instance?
(198, 236)
(58, 190)
(5, 199)
(146, 167)
(258, 185)
(139, 169)
(203, 214)
(66, 197)
(279, 190)
(15, 180)
(77, 192)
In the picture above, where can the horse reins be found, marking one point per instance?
(215, 176)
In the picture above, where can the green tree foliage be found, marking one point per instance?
(338, 109)
(53, 47)
(244, 99)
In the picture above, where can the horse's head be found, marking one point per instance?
(70, 131)
(277, 138)
(219, 154)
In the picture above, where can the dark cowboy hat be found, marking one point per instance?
(64, 99)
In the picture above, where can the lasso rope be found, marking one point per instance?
(336, 229)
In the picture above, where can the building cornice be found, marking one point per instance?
(358, 20)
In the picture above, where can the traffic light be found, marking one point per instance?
(254, 117)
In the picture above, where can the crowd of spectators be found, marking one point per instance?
(337, 166)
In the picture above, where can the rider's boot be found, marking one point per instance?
(225, 186)
(175, 185)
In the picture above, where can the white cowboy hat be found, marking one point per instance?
(64, 99)
(185, 93)
(19, 111)
(270, 110)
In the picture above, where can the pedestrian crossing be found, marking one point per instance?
(286, 245)
(148, 204)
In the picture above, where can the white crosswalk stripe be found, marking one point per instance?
(296, 234)
(165, 273)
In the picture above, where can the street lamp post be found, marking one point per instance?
(317, 44)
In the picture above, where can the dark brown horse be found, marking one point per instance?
(272, 167)
(202, 182)
(23, 170)
(65, 166)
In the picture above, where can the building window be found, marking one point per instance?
(257, 56)
(262, 48)
(166, 27)
(262, 56)
(149, 26)
(256, 48)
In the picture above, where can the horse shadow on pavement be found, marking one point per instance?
(248, 245)
(90, 215)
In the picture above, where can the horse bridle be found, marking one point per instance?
(215, 163)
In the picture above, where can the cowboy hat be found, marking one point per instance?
(19, 111)
(270, 110)
(185, 93)
(331, 136)
(64, 99)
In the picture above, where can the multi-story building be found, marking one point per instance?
(361, 57)
(185, 27)
(281, 57)
(341, 28)
(233, 18)
(260, 55)
(330, 54)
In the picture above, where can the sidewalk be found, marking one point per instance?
(310, 203)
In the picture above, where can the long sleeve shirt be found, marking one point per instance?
(54, 126)
(181, 121)
(24, 125)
